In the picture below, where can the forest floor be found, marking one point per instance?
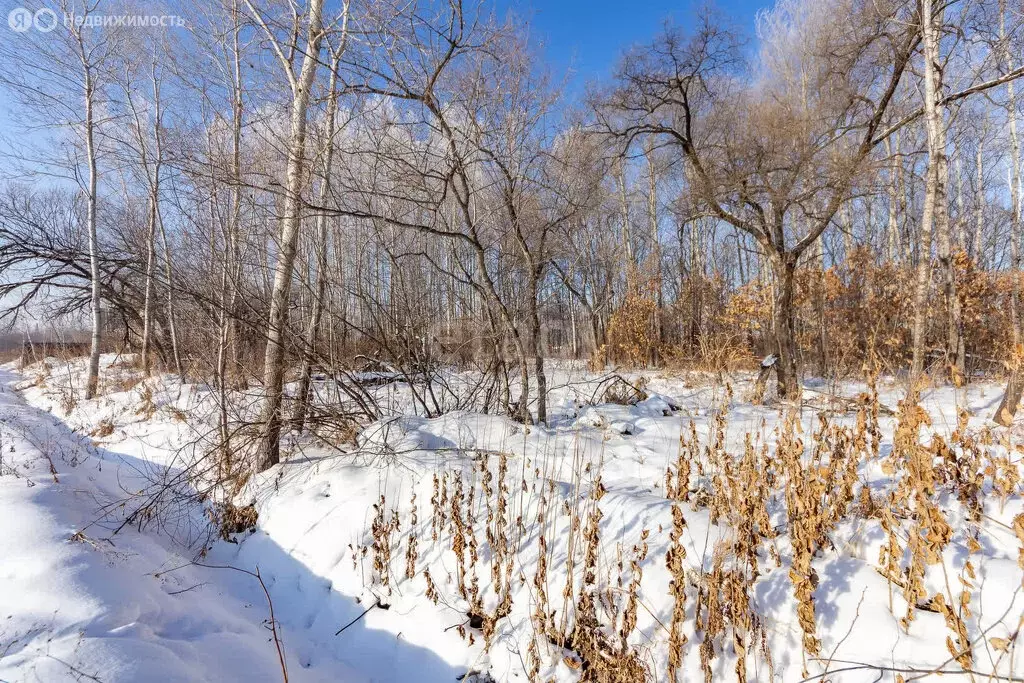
(437, 548)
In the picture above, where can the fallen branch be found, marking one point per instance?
(364, 613)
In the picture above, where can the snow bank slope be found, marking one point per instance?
(76, 607)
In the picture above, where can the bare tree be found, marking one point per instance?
(63, 76)
(320, 245)
(1015, 176)
(146, 126)
(291, 220)
(935, 218)
(761, 160)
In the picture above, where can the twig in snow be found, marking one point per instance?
(456, 625)
(53, 470)
(842, 640)
(922, 673)
(270, 604)
(905, 670)
(365, 611)
(79, 674)
(273, 626)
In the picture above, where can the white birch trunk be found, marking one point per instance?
(273, 363)
(979, 222)
(92, 379)
(933, 124)
(1015, 180)
(320, 246)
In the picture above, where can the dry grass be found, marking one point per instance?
(500, 534)
(104, 429)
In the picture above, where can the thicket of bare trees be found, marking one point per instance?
(278, 187)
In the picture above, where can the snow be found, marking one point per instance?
(79, 603)
(78, 599)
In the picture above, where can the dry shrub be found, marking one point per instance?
(383, 527)
(845, 313)
(601, 658)
(722, 352)
(42, 375)
(16, 356)
(674, 561)
(103, 429)
(128, 362)
(819, 491)
(472, 522)
(68, 400)
(124, 383)
(631, 342)
(176, 412)
(620, 392)
(343, 432)
(738, 495)
(914, 494)
(748, 309)
(717, 352)
(146, 408)
(724, 609)
(232, 519)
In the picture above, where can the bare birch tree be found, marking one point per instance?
(301, 84)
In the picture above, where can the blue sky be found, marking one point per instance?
(582, 38)
(589, 35)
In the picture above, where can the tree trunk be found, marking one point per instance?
(172, 326)
(696, 285)
(1011, 113)
(761, 383)
(785, 337)
(154, 213)
(227, 346)
(595, 327)
(655, 256)
(923, 282)
(305, 374)
(92, 379)
(846, 221)
(934, 186)
(535, 346)
(940, 198)
(903, 206)
(960, 234)
(627, 233)
(273, 362)
(574, 344)
(979, 219)
(819, 299)
(892, 231)
(147, 298)
(938, 192)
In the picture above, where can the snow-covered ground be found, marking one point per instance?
(335, 523)
(80, 603)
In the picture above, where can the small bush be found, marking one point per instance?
(231, 519)
(621, 392)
